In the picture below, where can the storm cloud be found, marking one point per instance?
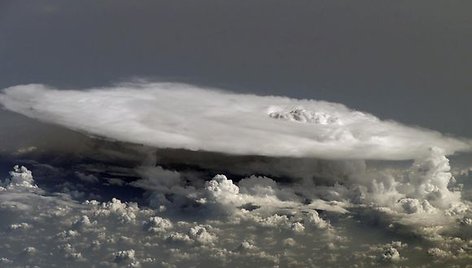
(181, 116)
(193, 133)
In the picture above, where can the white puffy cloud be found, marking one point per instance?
(412, 205)
(171, 115)
(20, 179)
(417, 195)
(123, 212)
(201, 234)
(157, 224)
(391, 254)
(277, 232)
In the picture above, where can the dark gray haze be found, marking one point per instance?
(402, 60)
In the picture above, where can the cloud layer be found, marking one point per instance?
(218, 222)
(171, 115)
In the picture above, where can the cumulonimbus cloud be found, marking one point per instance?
(173, 115)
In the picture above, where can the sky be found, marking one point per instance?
(235, 133)
(400, 60)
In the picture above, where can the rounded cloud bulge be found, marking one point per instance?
(182, 116)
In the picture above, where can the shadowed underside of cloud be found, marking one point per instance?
(172, 115)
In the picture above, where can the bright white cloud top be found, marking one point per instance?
(172, 115)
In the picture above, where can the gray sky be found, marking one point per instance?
(403, 60)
